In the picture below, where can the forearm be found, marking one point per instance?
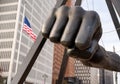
(104, 59)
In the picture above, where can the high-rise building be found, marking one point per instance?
(89, 75)
(82, 72)
(15, 43)
(58, 56)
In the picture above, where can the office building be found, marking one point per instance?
(58, 56)
(89, 75)
(15, 43)
(82, 72)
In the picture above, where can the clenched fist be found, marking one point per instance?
(74, 28)
(79, 31)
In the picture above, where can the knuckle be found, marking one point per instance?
(66, 43)
(54, 39)
(44, 33)
(92, 14)
(81, 46)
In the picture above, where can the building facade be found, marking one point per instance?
(58, 56)
(88, 75)
(82, 72)
(15, 43)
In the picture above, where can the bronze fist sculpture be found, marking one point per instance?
(79, 31)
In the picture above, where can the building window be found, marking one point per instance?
(7, 17)
(4, 66)
(5, 35)
(8, 8)
(10, 25)
(7, 1)
(6, 44)
(5, 54)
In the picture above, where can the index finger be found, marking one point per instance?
(47, 26)
(46, 29)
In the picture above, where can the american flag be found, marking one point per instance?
(28, 29)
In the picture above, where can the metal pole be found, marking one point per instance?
(14, 43)
(102, 76)
(19, 46)
(28, 62)
(63, 67)
(44, 77)
(116, 78)
(116, 4)
(115, 73)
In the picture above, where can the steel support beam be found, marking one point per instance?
(116, 4)
(114, 16)
(28, 62)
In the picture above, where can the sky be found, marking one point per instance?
(109, 37)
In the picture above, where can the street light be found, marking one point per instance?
(45, 76)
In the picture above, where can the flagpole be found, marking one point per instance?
(19, 46)
(115, 73)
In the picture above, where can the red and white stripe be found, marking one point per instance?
(29, 31)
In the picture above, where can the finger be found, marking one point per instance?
(49, 24)
(89, 26)
(61, 21)
(75, 17)
(73, 52)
